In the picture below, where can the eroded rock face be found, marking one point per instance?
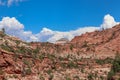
(102, 43)
(2, 62)
(90, 53)
(98, 44)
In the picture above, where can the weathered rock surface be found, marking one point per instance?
(86, 57)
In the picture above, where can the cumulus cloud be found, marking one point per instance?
(52, 36)
(108, 22)
(9, 2)
(11, 23)
(14, 27)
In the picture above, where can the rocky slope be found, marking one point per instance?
(98, 44)
(106, 42)
(87, 57)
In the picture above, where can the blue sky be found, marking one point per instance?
(59, 15)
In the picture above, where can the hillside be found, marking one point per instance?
(100, 42)
(87, 57)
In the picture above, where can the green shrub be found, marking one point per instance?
(116, 64)
(41, 78)
(51, 77)
(90, 76)
(28, 71)
(104, 61)
(49, 71)
(1, 71)
(77, 78)
(67, 78)
(115, 67)
(71, 64)
(71, 47)
(15, 76)
(7, 48)
(41, 57)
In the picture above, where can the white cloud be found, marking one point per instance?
(10, 2)
(108, 22)
(56, 35)
(11, 23)
(14, 27)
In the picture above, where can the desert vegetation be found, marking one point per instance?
(80, 59)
